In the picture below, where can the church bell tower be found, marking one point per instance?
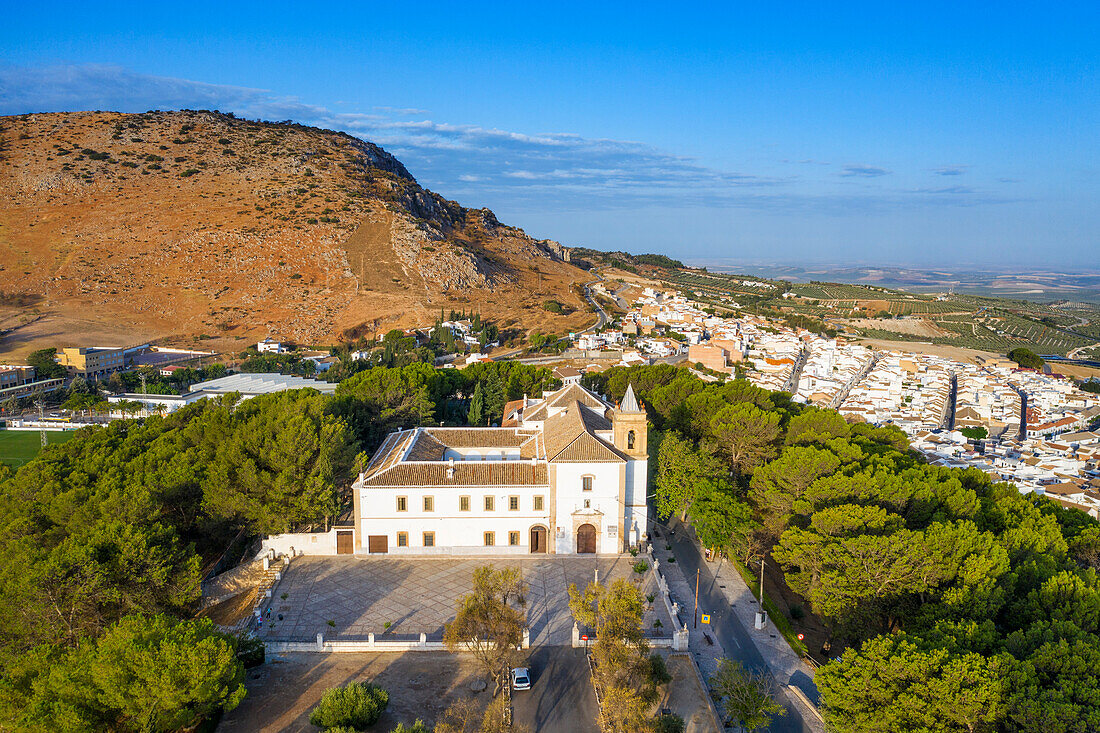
(630, 425)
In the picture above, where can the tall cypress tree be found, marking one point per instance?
(476, 415)
(494, 396)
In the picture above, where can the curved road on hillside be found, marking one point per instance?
(601, 315)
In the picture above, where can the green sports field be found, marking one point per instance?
(19, 446)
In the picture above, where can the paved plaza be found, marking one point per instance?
(359, 595)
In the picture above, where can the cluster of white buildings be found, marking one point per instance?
(984, 399)
(911, 391)
(1066, 470)
(830, 371)
(1056, 455)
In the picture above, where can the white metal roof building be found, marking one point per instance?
(250, 385)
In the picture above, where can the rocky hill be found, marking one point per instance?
(178, 226)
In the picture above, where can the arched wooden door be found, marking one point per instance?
(586, 539)
(538, 539)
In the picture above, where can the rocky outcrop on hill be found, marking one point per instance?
(192, 223)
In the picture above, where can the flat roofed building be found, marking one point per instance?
(92, 362)
(567, 477)
(250, 384)
(247, 385)
(15, 376)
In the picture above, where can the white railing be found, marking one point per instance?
(372, 644)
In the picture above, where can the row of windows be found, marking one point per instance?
(464, 503)
(429, 539)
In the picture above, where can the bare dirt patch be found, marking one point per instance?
(231, 610)
(685, 696)
(948, 352)
(1074, 370)
(912, 326)
(421, 685)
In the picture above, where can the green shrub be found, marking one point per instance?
(250, 651)
(670, 723)
(417, 727)
(658, 672)
(640, 567)
(797, 612)
(356, 705)
(554, 307)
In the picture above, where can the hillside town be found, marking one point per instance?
(1034, 429)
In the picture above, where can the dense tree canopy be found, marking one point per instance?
(1026, 358)
(967, 606)
(44, 365)
(145, 674)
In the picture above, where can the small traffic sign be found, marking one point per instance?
(801, 637)
(584, 638)
(706, 618)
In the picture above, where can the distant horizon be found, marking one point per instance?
(1005, 268)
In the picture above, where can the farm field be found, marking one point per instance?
(19, 446)
(870, 311)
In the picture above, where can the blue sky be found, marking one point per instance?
(886, 133)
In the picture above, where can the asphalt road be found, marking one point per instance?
(602, 317)
(561, 697)
(724, 623)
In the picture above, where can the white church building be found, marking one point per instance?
(564, 474)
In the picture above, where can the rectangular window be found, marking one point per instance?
(513, 503)
(538, 503)
(513, 538)
(586, 483)
(429, 504)
(463, 503)
(402, 539)
(402, 504)
(490, 539)
(489, 503)
(429, 539)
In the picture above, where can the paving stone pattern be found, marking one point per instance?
(419, 595)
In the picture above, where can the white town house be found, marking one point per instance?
(565, 474)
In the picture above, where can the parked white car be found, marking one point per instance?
(521, 679)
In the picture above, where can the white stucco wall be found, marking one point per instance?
(304, 543)
(456, 531)
(637, 515)
(603, 511)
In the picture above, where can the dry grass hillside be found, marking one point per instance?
(185, 226)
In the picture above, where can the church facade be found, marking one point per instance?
(565, 474)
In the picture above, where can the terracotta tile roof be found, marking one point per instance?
(510, 413)
(566, 395)
(568, 439)
(391, 451)
(595, 421)
(1063, 489)
(466, 473)
(426, 448)
(480, 437)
